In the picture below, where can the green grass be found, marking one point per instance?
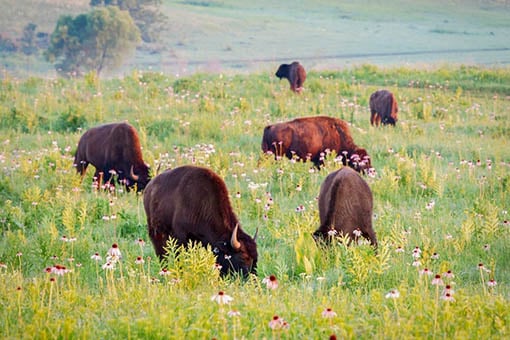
(450, 147)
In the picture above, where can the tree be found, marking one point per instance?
(145, 13)
(28, 43)
(95, 41)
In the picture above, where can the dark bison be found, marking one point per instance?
(383, 108)
(310, 137)
(191, 203)
(113, 148)
(295, 74)
(345, 206)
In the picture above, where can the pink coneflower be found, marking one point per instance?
(276, 323)
(298, 187)
(108, 266)
(437, 280)
(64, 238)
(59, 270)
(416, 253)
(492, 283)
(416, 263)
(447, 297)
(270, 281)
(399, 249)
(426, 271)
(114, 253)
(332, 232)
(357, 232)
(448, 274)
(234, 313)
(96, 257)
(222, 298)
(328, 313)
(238, 194)
(486, 247)
(3, 265)
(217, 266)
(300, 208)
(140, 242)
(435, 256)
(448, 290)
(164, 272)
(393, 294)
(139, 260)
(482, 267)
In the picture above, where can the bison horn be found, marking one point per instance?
(133, 175)
(233, 241)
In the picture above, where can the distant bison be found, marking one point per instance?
(345, 206)
(191, 203)
(310, 137)
(113, 148)
(383, 108)
(295, 74)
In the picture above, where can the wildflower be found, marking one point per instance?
(298, 187)
(270, 281)
(139, 260)
(234, 313)
(164, 272)
(277, 323)
(447, 297)
(435, 256)
(19, 254)
(357, 232)
(448, 290)
(482, 267)
(3, 265)
(332, 232)
(108, 266)
(487, 247)
(217, 266)
(416, 263)
(448, 236)
(448, 275)
(64, 238)
(114, 254)
(59, 270)
(96, 257)
(238, 195)
(393, 294)
(437, 280)
(300, 208)
(328, 313)
(417, 252)
(491, 283)
(399, 249)
(425, 271)
(222, 298)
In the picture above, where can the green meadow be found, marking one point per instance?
(441, 193)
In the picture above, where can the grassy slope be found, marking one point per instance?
(245, 35)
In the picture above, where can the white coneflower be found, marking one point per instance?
(222, 298)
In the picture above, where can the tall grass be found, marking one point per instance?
(440, 191)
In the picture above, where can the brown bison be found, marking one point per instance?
(383, 108)
(295, 74)
(113, 148)
(310, 137)
(345, 206)
(191, 203)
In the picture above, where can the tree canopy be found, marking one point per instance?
(94, 41)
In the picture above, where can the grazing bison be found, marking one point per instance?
(310, 137)
(295, 74)
(191, 203)
(113, 148)
(383, 108)
(345, 206)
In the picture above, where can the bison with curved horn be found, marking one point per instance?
(113, 148)
(191, 203)
(310, 137)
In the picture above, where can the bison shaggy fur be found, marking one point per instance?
(383, 108)
(345, 207)
(295, 73)
(112, 148)
(311, 137)
(191, 203)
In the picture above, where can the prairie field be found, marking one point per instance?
(441, 194)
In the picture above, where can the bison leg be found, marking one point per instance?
(159, 241)
(370, 235)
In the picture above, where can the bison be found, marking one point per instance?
(191, 203)
(345, 207)
(310, 137)
(295, 74)
(383, 108)
(113, 148)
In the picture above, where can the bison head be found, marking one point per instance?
(139, 175)
(237, 256)
(283, 71)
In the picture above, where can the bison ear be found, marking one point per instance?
(233, 241)
(134, 176)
